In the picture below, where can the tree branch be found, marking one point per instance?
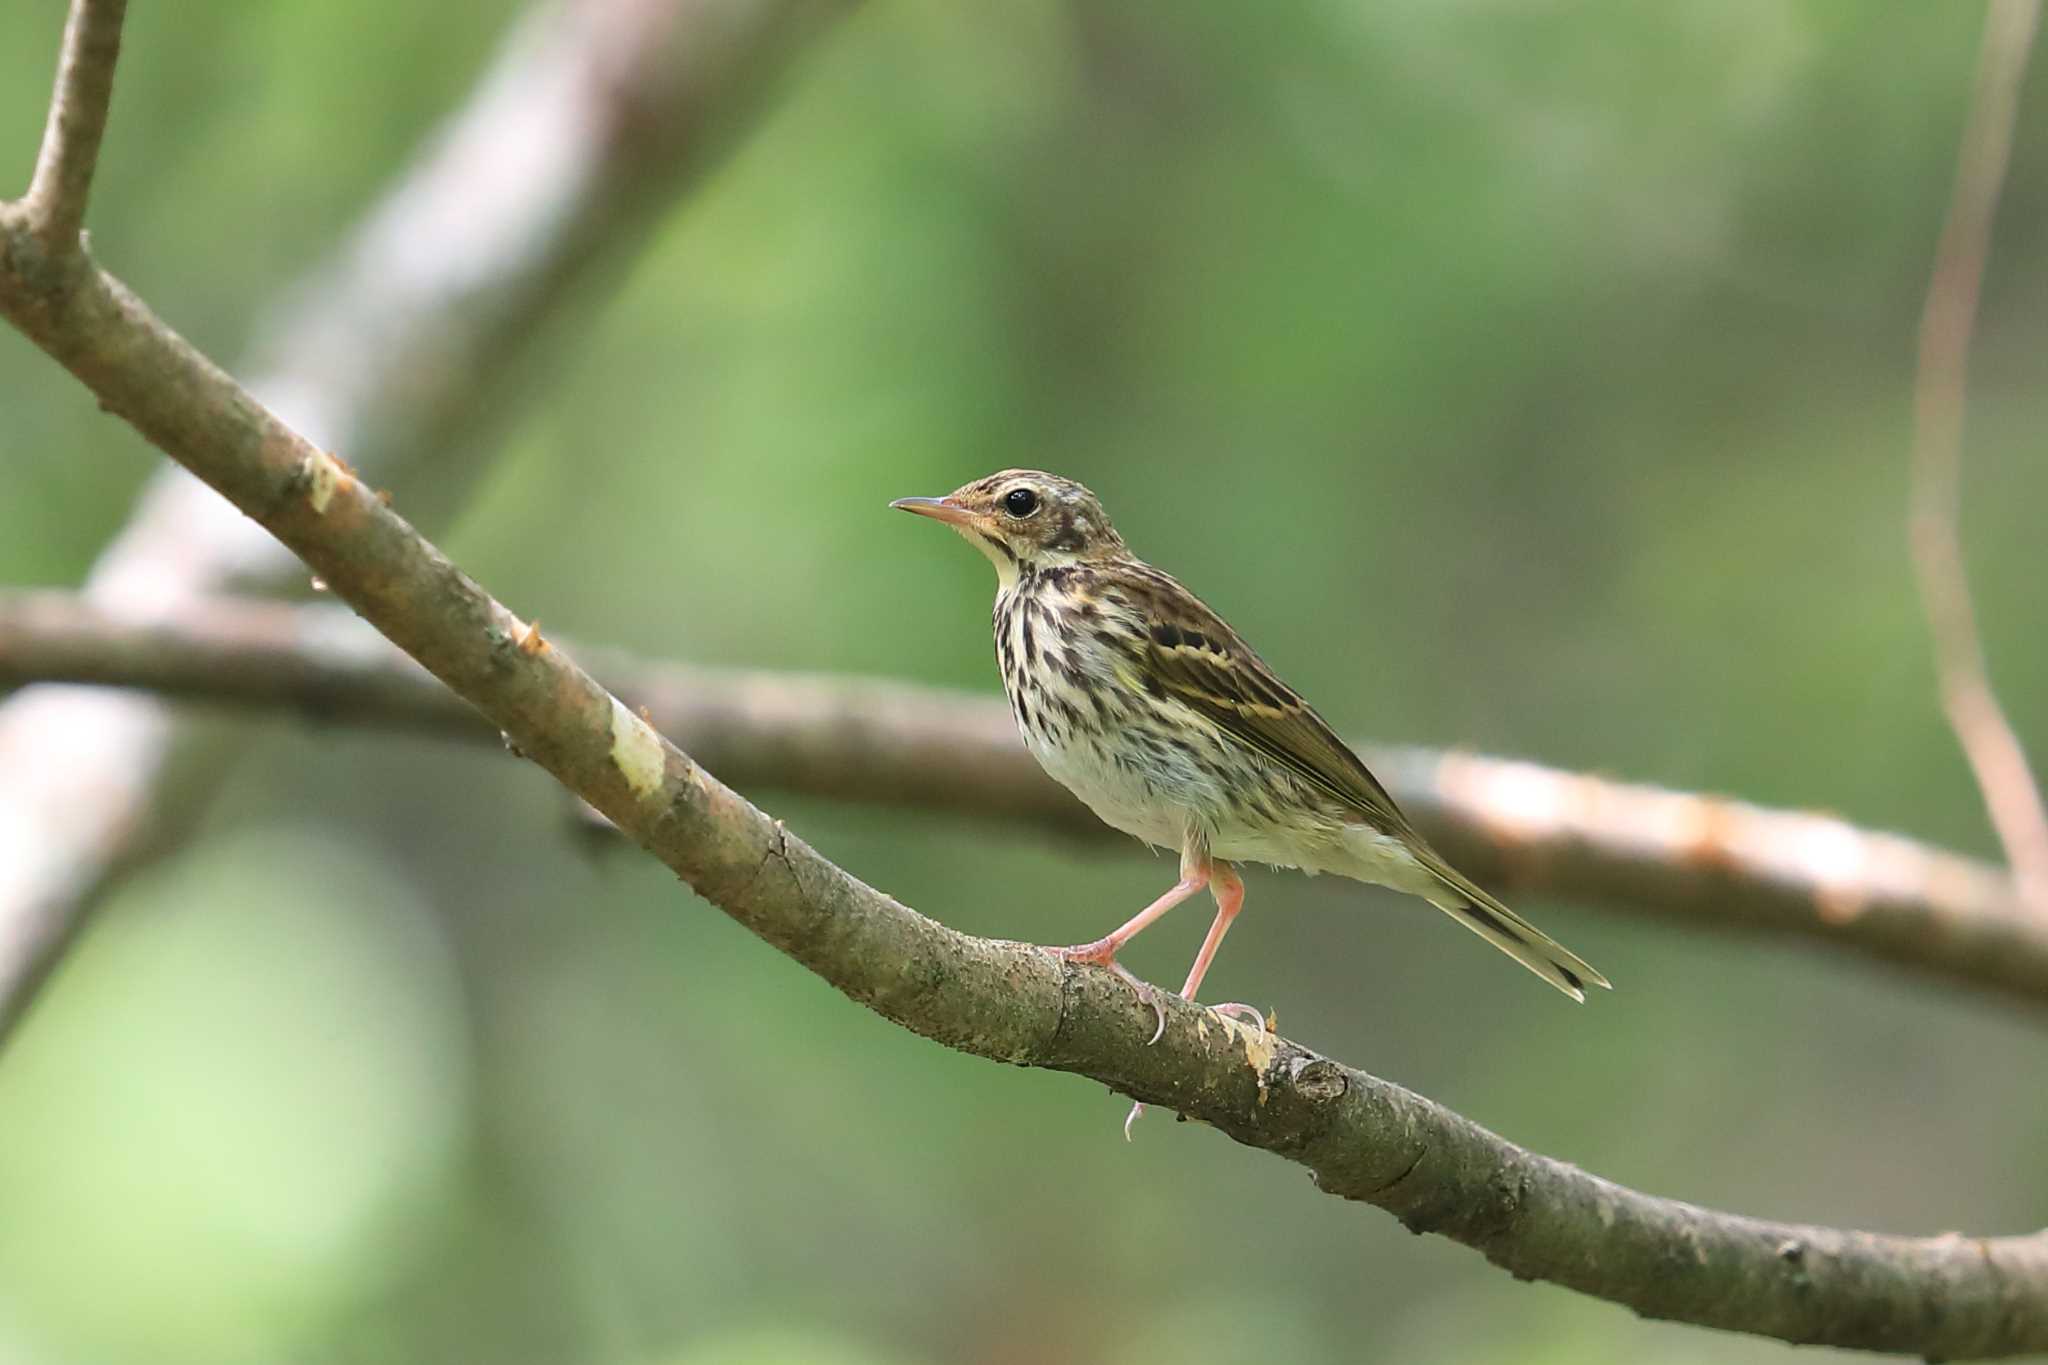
(1993, 748)
(1706, 860)
(56, 197)
(404, 349)
(1363, 1138)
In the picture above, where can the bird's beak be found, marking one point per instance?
(938, 509)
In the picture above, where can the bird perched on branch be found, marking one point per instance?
(1140, 700)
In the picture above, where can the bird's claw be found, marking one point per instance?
(1230, 1009)
(1147, 994)
(1250, 1015)
(1103, 954)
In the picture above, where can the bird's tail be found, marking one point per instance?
(1464, 901)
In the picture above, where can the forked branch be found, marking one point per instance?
(406, 346)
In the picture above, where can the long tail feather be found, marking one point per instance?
(1485, 916)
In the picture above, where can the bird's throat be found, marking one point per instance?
(997, 554)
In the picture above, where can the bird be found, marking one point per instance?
(1142, 701)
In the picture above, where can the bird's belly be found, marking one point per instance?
(1266, 844)
(1162, 794)
(1144, 803)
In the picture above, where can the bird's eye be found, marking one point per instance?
(1020, 502)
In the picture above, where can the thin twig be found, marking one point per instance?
(1709, 861)
(1993, 748)
(78, 119)
(1363, 1138)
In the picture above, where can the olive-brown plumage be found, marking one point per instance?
(1141, 700)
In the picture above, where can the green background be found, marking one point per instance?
(1532, 378)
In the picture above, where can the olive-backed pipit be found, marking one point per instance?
(1142, 702)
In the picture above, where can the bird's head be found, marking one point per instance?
(1025, 520)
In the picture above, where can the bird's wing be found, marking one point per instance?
(1192, 655)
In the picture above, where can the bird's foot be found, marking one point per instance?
(1244, 1014)
(1102, 953)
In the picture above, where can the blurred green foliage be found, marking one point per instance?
(1528, 377)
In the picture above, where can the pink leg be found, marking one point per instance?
(1194, 875)
(1229, 900)
(1229, 891)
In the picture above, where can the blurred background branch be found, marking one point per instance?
(409, 349)
(1713, 862)
(1993, 748)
